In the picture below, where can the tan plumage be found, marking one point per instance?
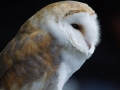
(28, 52)
(32, 59)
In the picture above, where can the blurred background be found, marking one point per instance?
(102, 70)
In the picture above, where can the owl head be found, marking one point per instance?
(73, 24)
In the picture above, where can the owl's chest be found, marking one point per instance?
(72, 60)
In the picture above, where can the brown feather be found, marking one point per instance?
(29, 56)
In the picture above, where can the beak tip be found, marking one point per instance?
(88, 44)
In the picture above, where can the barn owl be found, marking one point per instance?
(49, 47)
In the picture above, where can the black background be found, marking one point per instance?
(104, 65)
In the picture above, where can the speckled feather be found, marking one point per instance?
(28, 57)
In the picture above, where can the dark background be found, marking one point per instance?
(102, 70)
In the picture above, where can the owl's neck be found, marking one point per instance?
(72, 61)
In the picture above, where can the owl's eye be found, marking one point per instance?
(75, 26)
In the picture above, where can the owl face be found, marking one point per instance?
(82, 31)
(73, 24)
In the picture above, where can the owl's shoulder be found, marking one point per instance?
(32, 55)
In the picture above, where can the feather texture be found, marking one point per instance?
(47, 49)
(31, 55)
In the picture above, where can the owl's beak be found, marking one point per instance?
(88, 44)
(91, 47)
